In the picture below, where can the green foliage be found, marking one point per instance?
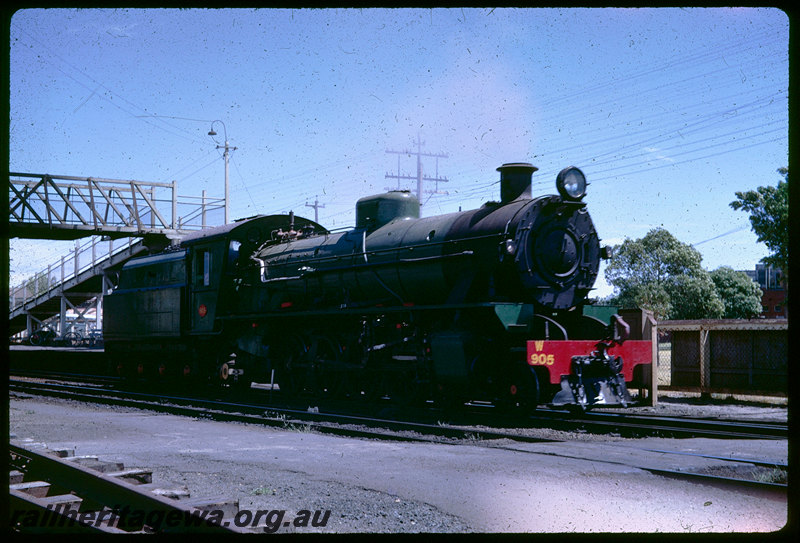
(37, 284)
(652, 296)
(661, 274)
(769, 218)
(695, 298)
(664, 275)
(740, 294)
(652, 259)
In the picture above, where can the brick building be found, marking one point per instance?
(773, 297)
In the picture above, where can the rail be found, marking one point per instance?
(93, 500)
(407, 424)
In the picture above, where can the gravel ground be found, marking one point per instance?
(255, 487)
(372, 486)
(755, 408)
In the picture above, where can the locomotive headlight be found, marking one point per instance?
(571, 183)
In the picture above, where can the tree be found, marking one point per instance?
(661, 274)
(694, 297)
(769, 218)
(740, 294)
(38, 284)
(654, 258)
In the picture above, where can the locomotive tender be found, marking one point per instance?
(477, 305)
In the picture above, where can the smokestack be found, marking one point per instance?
(515, 181)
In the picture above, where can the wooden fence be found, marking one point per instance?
(724, 356)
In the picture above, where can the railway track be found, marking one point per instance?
(622, 424)
(475, 421)
(769, 476)
(281, 417)
(48, 493)
(656, 425)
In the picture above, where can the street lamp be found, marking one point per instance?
(225, 156)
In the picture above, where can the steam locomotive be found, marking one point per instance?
(482, 305)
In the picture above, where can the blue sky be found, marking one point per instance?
(669, 112)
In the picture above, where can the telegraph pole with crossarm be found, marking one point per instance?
(420, 177)
(316, 205)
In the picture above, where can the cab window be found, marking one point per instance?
(233, 253)
(202, 267)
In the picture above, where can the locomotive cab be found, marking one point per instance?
(166, 315)
(205, 267)
(148, 299)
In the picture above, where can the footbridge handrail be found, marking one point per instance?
(82, 258)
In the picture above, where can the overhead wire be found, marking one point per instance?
(175, 131)
(728, 233)
(588, 102)
(672, 164)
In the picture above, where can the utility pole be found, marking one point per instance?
(227, 191)
(419, 177)
(316, 205)
(225, 156)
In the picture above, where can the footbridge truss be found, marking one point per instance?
(44, 206)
